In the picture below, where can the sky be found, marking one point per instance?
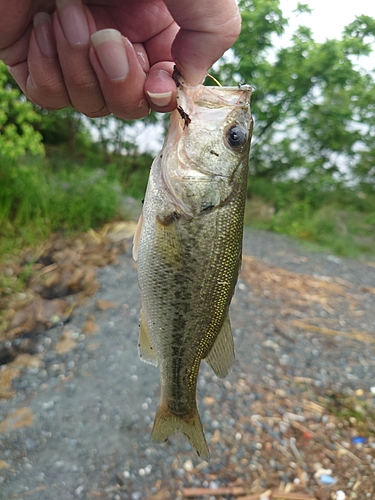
(328, 17)
(327, 20)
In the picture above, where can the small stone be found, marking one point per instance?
(322, 472)
(340, 495)
(333, 258)
(48, 405)
(30, 444)
(78, 491)
(188, 465)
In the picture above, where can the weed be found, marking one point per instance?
(36, 200)
(342, 221)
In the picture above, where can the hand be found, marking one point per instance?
(112, 56)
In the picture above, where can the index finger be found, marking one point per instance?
(208, 29)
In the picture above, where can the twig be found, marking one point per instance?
(279, 495)
(297, 454)
(241, 493)
(31, 492)
(198, 492)
(47, 269)
(356, 335)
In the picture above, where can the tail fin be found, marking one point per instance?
(167, 423)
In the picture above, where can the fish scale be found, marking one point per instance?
(188, 246)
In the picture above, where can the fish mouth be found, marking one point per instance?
(176, 129)
(189, 101)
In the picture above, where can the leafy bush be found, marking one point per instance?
(35, 201)
(17, 120)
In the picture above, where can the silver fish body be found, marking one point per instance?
(188, 246)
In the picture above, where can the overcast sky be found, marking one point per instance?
(328, 17)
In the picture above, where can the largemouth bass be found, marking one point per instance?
(189, 246)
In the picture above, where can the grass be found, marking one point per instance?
(342, 222)
(358, 412)
(35, 200)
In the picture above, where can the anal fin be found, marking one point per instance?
(146, 350)
(221, 356)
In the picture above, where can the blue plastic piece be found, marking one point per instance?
(359, 440)
(326, 479)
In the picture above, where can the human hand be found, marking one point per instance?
(65, 52)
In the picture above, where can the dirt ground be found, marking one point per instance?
(293, 421)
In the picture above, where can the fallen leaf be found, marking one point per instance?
(103, 305)
(90, 327)
(66, 342)
(92, 347)
(39, 315)
(160, 495)
(23, 417)
(7, 374)
(27, 360)
(4, 465)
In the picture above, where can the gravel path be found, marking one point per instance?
(304, 326)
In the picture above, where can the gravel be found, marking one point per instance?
(79, 423)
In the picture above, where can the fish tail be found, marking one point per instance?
(167, 423)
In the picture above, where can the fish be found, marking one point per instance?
(188, 248)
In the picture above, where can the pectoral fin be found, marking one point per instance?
(168, 241)
(221, 356)
(145, 348)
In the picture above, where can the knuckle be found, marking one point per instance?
(129, 109)
(97, 114)
(49, 86)
(83, 81)
(43, 97)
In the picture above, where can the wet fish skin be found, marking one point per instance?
(188, 248)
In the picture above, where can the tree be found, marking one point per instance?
(17, 119)
(314, 106)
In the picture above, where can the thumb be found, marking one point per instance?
(207, 30)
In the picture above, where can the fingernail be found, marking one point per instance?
(193, 74)
(160, 99)
(44, 34)
(111, 52)
(73, 21)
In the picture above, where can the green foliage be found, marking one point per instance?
(341, 220)
(17, 119)
(34, 201)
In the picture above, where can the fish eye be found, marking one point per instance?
(236, 136)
